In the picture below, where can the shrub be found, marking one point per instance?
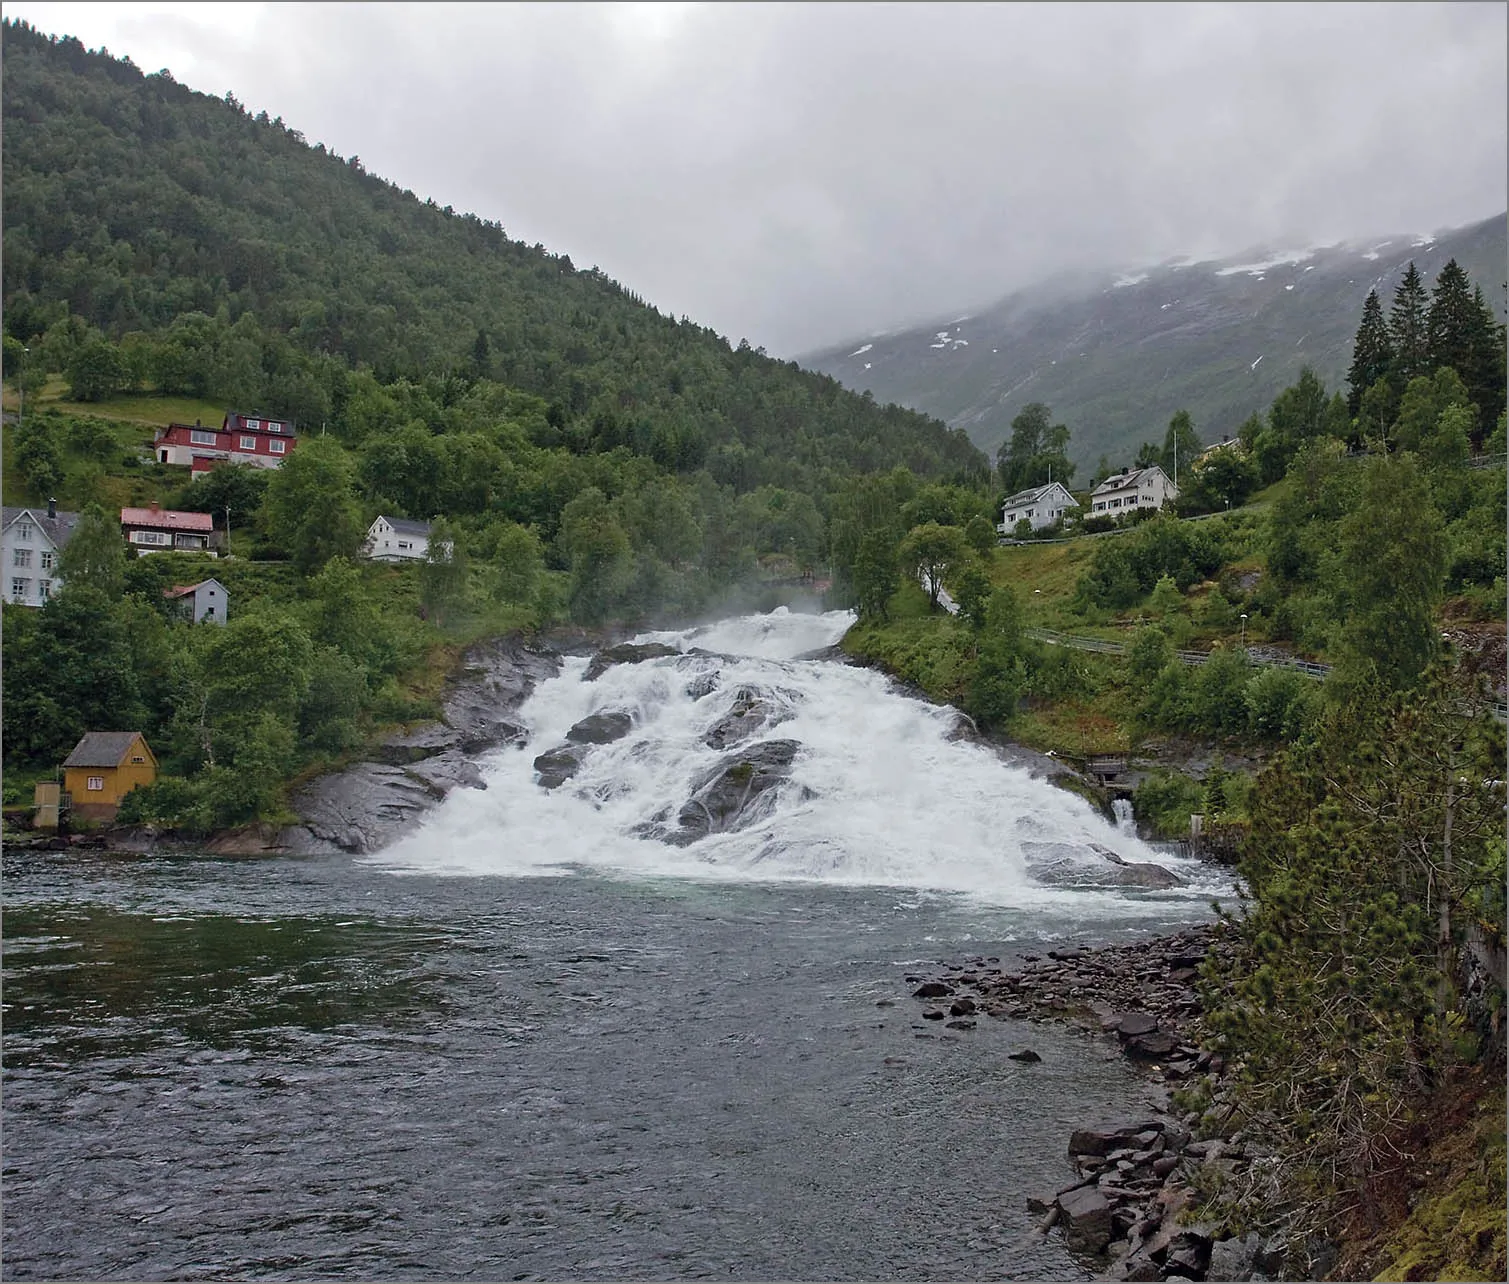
(1281, 703)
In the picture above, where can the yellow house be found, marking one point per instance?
(103, 768)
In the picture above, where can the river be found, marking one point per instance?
(530, 1042)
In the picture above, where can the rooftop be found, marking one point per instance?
(167, 519)
(102, 749)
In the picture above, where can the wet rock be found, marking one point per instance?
(962, 1007)
(1149, 1047)
(933, 1014)
(368, 805)
(701, 686)
(364, 807)
(751, 712)
(1086, 1218)
(557, 766)
(447, 771)
(963, 1023)
(1135, 1023)
(626, 653)
(1103, 868)
(601, 729)
(1026, 1055)
(736, 791)
(932, 990)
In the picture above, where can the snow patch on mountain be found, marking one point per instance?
(1257, 269)
(859, 352)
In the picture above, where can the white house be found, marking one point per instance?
(32, 541)
(206, 600)
(1042, 506)
(397, 539)
(1136, 488)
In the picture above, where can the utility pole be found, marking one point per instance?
(21, 392)
(228, 535)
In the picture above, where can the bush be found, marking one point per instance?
(1281, 703)
(1163, 804)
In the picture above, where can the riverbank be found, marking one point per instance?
(1146, 1197)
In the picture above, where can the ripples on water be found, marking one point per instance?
(307, 1068)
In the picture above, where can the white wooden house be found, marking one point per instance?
(1042, 506)
(33, 539)
(397, 539)
(206, 600)
(1136, 488)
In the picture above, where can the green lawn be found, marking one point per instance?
(136, 407)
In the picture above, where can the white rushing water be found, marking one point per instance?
(878, 793)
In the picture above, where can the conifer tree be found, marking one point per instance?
(1372, 353)
(1451, 321)
(1407, 327)
(1485, 373)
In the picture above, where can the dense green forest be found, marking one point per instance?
(207, 252)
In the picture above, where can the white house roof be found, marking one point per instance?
(183, 590)
(58, 528)
(404, 526)
(1033, 495)
(1129, 480)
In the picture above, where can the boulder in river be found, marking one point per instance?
(625, 653)
(1102, 867)
(1086, 1216)
(736, 791)
(601, 729)
(751, 712)
(558, 765)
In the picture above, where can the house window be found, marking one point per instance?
(24, 530)
(248, 443)
(136, 757)
(46, 559)
(276, 447)
(253, 423)
(18, 589)
(96, 782)
(404, 544)
(44, 589)
(274, 426)
(148, 537)
(201, 437)
(22, 557)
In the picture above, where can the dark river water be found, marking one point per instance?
(310, 1067)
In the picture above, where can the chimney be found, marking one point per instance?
(197, 424)
(52, 508)
(155, 507)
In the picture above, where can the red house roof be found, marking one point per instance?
(167, 519)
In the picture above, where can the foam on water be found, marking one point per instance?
(878, 795)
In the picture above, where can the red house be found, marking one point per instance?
(241, 439)
(159, 530)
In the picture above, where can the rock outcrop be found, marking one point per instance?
(369, 804)
(625, 653)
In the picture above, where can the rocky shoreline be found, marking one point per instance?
(1130, 1211)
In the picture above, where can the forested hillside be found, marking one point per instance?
(228, 258)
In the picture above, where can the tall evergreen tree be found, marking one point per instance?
(1407, 327)
(1181, 445)
(1485, 374)
(1451, 321)
(1372, 353)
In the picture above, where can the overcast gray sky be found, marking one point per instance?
(805, 174)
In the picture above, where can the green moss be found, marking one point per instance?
(1458, 1232)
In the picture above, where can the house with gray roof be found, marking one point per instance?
(397, 539)
(1041, 506)
(32, 540)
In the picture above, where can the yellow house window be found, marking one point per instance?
(137, 758)
(96, 782)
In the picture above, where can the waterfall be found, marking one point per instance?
(880, 790)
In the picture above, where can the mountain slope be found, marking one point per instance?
(132, 202)
(1116, 356)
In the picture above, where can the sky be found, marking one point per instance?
(801, 175)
